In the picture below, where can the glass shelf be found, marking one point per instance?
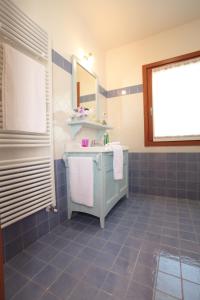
(76, 126)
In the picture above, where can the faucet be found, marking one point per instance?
(93, 143)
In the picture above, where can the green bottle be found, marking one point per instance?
(106, 138)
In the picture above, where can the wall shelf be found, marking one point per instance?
(76, 126)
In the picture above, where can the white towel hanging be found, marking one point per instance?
(81, 180)
(23, 95)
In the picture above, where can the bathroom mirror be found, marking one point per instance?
(85, 87)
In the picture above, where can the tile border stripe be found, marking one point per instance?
(63, 63)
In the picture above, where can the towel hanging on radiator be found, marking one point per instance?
(23, 92)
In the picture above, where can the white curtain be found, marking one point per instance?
(176, 100)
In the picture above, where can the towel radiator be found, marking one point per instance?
(26, 159)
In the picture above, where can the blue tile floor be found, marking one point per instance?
(149, 249)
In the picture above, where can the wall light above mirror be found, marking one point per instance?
(85, 88)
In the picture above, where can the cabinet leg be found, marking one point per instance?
(102, 222)
(69, 214)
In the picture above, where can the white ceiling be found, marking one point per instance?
(116, 22)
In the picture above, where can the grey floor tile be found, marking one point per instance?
(47, 254)
(144, 275)
(88, 254)
(134, 243)
(59, 230)
(73, 248)
(48, 296)
(137, 291)
(170, 232)
(77, 268)
(101, 295)
(118, 237)
(33, 267)
(141, 235)
(170, 241)
(20, 260)
(96, 243)
(14, 284)
(128, 253)
(112, 248)
(95, 276)
(70, 234)
(83, 238)
(31, 291)
(60, 243)
(104, 260)
(104, 234)
(109, 225)
(148, 259)
(61, 260)
(150, 247)
(91, 229)
(63, 285)
(8, 272)
(189, 246)
(116, 285)
(84, 291)
(35, 248)
(48, 238)
(123, 267)
(191, 291)
(47, 276)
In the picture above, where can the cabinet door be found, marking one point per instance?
(111, 185)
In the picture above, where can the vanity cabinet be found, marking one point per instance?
(107, 190)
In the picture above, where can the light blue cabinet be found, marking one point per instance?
(107, 191)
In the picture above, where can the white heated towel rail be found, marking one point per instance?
(26, 179)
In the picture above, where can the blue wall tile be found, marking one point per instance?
(21, 234)
(165, 174)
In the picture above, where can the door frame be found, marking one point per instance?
(1, 267)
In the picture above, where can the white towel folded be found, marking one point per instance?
(81, 180)
(117, 161)
(23, 93)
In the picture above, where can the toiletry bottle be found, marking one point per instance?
(106, 138)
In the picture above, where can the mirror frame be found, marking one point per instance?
(76, 61)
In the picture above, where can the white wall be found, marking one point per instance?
(124, 68)
(68, 34)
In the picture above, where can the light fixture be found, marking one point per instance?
(87, 60)
(123, 92)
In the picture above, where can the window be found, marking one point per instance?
(172, 101)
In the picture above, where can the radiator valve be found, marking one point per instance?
(52, 209)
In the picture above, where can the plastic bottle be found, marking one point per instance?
(106, 138)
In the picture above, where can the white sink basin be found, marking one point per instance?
(92, 149)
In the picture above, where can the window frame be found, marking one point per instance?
(148, 105)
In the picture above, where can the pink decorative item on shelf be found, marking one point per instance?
(85, 142)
